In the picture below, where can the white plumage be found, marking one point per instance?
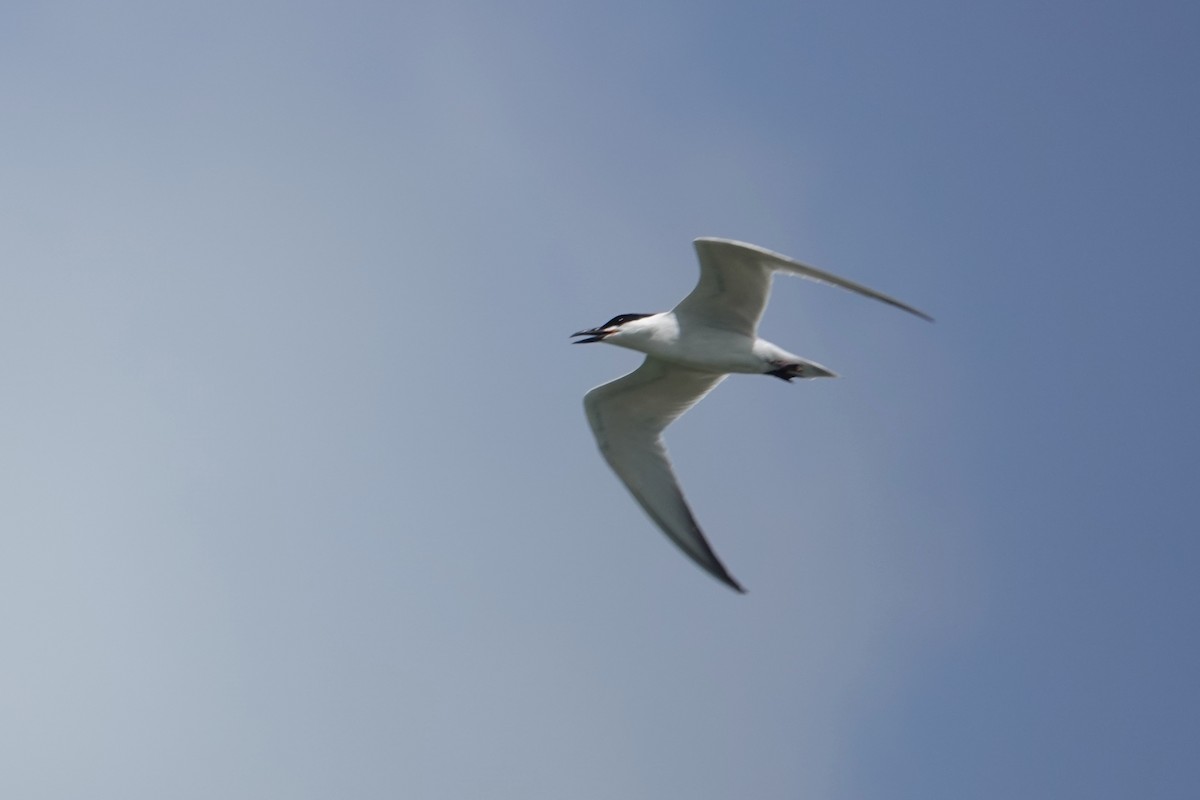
(689, 350)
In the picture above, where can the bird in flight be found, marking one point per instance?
(689, 350)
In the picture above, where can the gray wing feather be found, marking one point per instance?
(735, 282)
(627, 417)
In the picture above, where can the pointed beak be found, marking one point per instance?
(593, 334)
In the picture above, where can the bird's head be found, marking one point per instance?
(610, 330)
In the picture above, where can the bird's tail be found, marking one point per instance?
(802, 369)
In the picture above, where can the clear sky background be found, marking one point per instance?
(297, 498)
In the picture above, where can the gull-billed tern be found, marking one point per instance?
(689, 350)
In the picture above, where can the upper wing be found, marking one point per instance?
(627, 417)
(735, 281)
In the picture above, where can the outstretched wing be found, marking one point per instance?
(735, 282)
(627, 417)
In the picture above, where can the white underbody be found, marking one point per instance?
(692, 344)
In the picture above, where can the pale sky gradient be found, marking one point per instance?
(298, 496)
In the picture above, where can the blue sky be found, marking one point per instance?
(299, 497)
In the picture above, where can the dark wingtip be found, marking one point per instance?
(910, 309)
(724, 577)
(917, 312)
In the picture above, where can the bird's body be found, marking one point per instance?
(689, 350)
(695, 345)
